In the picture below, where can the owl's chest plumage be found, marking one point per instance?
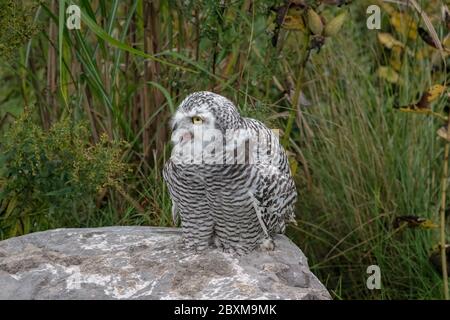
(217, 198)
(218, 186)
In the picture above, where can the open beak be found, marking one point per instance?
(185, 137)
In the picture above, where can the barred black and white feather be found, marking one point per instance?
(237, 206)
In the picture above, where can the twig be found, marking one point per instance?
(401, 3)
(429, 25)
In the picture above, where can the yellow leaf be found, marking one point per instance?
(423, 53)
(293, 23)
(314, 22)
(396, 58)
(389, 74)
(428, 224)
(404, 24)
(435, 92)
(293, 20)
(334, 26)
(386, 7)
(414, 222)
(446, 42)
(442, 132)
(414, 109)
(387, 40)
(293, 165)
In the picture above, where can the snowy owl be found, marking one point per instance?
(228, 177)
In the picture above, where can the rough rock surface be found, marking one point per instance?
(147, 263)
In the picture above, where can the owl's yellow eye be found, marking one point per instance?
(197, 120)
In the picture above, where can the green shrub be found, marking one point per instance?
(16, 25)
(51, 179)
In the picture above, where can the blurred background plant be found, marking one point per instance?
(368, 176)
(53, 179)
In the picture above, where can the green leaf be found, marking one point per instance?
(165, 93)
(102, 34)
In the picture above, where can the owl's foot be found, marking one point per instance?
(267, 244)
(216, 242)
(226, 248)
(195, 247)
(230, 251)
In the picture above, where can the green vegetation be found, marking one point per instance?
(84, 114)
(17, 25)
(52, 179)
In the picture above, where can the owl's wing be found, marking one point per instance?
(175, 213)
(267, 150)
(274, 197)
(168, 175)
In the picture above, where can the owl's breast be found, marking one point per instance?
(221, 186)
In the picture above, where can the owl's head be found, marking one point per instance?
(205, 110)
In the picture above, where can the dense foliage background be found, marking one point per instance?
(84, 120)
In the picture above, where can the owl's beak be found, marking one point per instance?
(185, 137)
(181, 136)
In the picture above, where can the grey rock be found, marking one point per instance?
(147, 263)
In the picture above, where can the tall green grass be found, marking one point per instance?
(370, 164)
